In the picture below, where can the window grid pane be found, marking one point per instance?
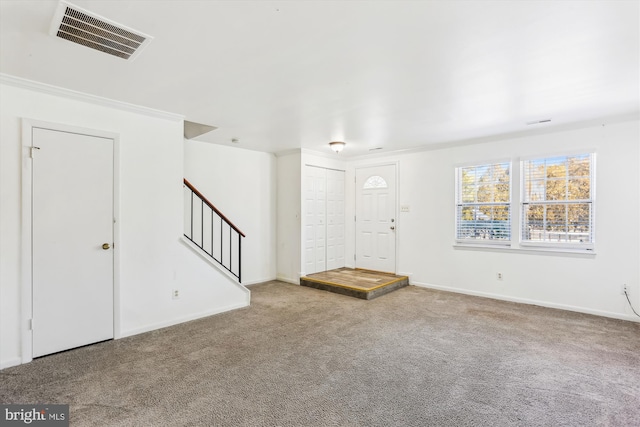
(483, 203)
(557, 204)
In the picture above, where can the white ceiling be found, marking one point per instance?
(279, 75)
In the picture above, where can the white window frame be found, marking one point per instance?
(559, 246)
(459, 204)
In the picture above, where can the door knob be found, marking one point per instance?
(392, 227)
(105, 246)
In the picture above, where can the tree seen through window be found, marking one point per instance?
(484, 202)
(557, 200)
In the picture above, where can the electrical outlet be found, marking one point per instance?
(499, 276)
(175, 294)
(625, 290)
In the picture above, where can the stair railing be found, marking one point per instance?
(212, 232)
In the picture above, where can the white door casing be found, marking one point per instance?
(376, 218)
(72, 217)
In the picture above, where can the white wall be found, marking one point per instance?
(152, 261)
(577, 282)
(242, 185)
(288, 218)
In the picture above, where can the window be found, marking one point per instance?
(483, 204)
(557, 201)
(375, 181)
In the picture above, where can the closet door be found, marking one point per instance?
(324, 222)
(315, 219)
(335, 219)
(72, 255)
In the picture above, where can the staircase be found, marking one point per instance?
(212, 232)
(358, 283)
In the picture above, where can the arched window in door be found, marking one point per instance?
(375, 181)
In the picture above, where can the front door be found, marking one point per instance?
(72, 258)
(375, 218)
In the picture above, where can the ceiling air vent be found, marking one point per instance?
(80, 26)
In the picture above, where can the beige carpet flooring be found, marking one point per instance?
(304, 357)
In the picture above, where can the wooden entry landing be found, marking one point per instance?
(363, 284)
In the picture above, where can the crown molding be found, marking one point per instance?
(48, 89)
(565, 127)
(287, 152)
(332, 155)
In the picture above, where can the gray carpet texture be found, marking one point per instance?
(304, 357)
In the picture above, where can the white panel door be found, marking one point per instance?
(321, 220)
(72, 217)
(335, 219)
(309, 222)
(375, 218)
(314, 219)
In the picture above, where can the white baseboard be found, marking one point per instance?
(530, 302)
(183, 319)
(288, 280)
(10, 363)
(256, 282)
(408, 276)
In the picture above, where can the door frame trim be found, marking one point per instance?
(26, 267)
(396, 165)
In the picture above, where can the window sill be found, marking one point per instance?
(482, 245)
(587, 253)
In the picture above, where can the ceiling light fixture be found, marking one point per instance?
(337, 146)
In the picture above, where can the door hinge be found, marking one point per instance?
(31, 324)
(354, 218)
(32, 151)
